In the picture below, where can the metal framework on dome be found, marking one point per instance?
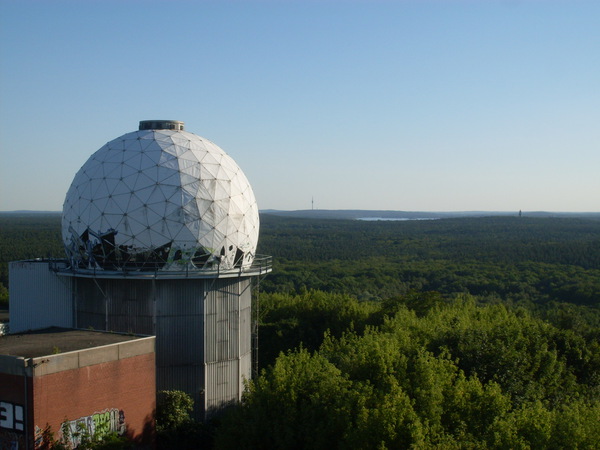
(160, 199)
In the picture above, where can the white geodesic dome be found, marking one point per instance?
(160, 199)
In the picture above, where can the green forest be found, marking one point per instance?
(26, 236)
(452, 333)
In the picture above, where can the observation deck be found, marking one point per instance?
(261, 265)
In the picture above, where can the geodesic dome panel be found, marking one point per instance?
(160, 200)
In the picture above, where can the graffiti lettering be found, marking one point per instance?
(10, 440)
(11, 417)
(98, 424)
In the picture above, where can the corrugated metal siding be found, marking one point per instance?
(38, 297)
(222, 321)
(202, 328)
(228, 342)
(180, 338)
(180, 322)
(115, 305)
(189, 379)
(90, 305)
(245, 317)
(131, 306)
(222, 384)
(245, 371)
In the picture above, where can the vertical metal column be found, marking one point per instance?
(255, 324)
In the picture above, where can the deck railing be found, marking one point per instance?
(261, 265)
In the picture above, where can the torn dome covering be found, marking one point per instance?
(160, 200)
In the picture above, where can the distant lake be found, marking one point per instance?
(371, 219)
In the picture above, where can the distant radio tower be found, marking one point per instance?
(312, 203)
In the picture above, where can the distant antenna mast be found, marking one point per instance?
(312, 202)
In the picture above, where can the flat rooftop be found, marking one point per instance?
(54, 340)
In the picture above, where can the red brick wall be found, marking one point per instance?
(126, 385)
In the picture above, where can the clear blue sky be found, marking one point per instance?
(398, 105)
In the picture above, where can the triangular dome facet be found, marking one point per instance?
(159, 197)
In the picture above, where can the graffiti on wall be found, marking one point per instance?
(98, 424)
(12, 426)
(12, 417)
(11, 440)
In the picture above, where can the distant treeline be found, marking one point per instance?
(517, 259)
(351, 214)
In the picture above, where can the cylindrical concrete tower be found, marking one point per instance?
(160, 227)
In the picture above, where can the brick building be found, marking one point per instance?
(64, 378)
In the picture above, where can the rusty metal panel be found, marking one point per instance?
(39, 298)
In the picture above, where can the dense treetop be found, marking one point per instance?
(430, 372)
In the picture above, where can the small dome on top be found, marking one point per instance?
(161, 125)
(160, 198)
